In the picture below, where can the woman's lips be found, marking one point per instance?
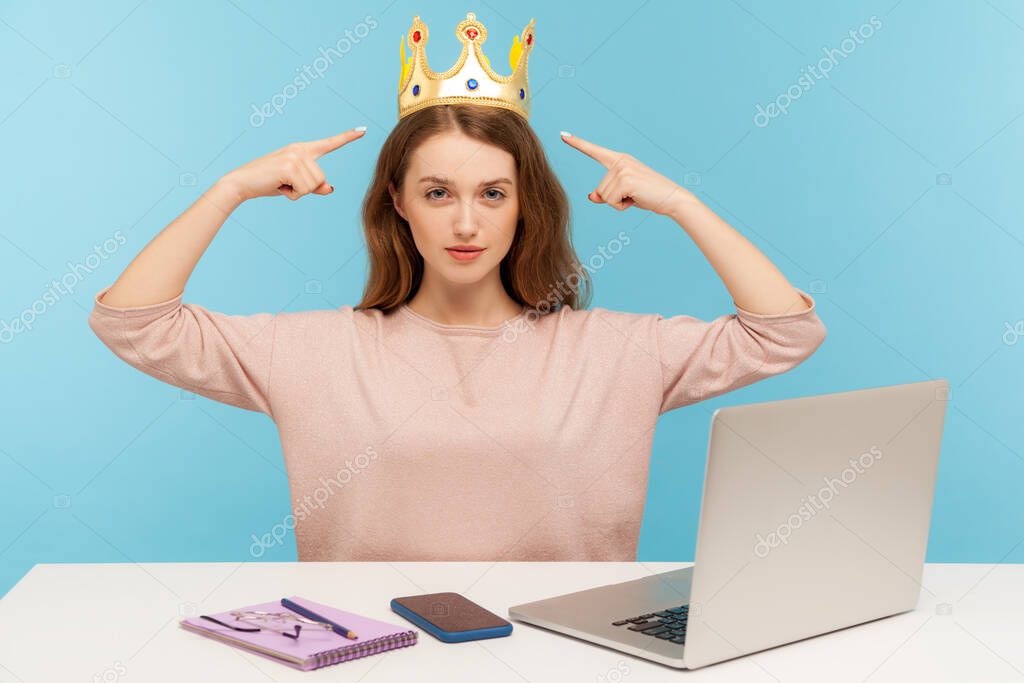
(462, 255)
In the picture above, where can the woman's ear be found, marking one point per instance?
(396, 200)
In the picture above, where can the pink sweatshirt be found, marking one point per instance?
(408, 439)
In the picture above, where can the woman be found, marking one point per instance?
(469, 408)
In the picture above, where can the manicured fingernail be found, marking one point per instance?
(360, 128)
(566, 134)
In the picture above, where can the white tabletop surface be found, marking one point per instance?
(119, 622)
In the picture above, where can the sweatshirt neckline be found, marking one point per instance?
(424, 321)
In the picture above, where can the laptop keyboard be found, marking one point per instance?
(669, 624)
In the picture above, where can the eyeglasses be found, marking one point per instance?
(287, 624)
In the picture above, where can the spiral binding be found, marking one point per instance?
(370, 647)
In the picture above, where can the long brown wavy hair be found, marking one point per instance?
(541, 269)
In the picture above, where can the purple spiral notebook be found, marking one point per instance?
(315, 647)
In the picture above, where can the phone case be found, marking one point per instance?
(450, 617)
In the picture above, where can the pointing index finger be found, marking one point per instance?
(329, 144)
(602, 155)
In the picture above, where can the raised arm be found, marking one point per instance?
(162, 268)
(754, 282)
(142, 319)
(775, 326)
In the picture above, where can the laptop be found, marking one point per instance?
(815, 517)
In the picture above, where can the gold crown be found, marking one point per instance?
(471, 80)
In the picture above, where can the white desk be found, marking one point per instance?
(119, 622)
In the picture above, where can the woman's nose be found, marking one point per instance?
(466, 222)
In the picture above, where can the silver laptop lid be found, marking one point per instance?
(815, 516)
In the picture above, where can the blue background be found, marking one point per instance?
(890, 191)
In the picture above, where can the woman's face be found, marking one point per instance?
(459, 193)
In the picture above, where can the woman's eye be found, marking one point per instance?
(498, 194)
(431, 195)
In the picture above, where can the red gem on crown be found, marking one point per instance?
(416, 36)
(529, 39)
(472, 33)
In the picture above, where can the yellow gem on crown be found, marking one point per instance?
(471, 80)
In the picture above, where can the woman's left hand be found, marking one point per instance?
(628, 182)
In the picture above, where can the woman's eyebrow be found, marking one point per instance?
(441, 180)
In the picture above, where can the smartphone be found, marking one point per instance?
(451, 617)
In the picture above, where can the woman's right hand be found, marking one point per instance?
(291, 171)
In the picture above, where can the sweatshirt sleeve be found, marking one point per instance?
(226, 358)
(701, 360)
